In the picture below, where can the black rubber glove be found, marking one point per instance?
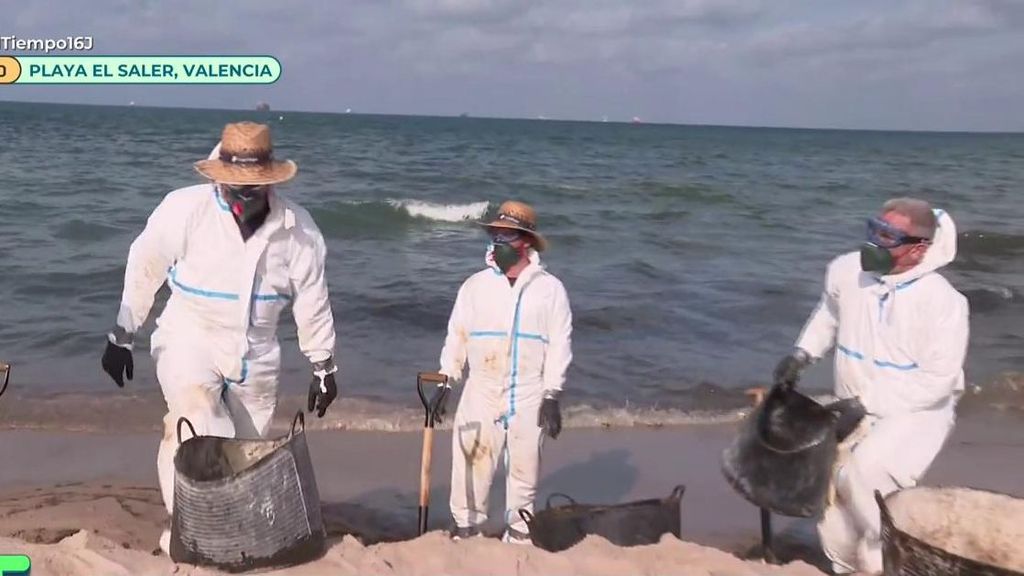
(439, 401)
(787, 372)
(850, 412)
(322, 391)
(118, 362)
(550, 416)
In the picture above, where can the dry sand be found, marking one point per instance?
(89, 554)
(81, 503)
(118, 525)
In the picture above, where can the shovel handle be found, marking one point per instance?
(428, 378)
(422, 378)
(427, 456)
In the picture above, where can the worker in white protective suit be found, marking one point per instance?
(900, 332)
(512, 323)
(234, 253)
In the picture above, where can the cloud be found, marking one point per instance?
(900, 28)
(719, 61)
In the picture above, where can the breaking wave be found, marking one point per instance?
(441, 212)
(144, 411)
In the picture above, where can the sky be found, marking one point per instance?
(877, 64)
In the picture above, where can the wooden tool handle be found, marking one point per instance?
(428, 446)
(432, 377)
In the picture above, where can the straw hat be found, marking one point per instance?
(246, 157)
(520, 216)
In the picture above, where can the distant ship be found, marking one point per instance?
(263, 106)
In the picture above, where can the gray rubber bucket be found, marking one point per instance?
(952, 532)
(782, 458)
(245, 504)
(558, 528)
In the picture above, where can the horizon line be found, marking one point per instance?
(466, 116)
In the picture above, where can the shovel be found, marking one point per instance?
(428, 443)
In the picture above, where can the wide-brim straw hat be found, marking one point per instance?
(246, 157)
(516, 215)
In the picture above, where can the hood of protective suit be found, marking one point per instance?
(941, 252)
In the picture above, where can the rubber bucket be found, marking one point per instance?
(558, 528)
(782, 458)
(951, 532)
(245, 504)
(5, 376)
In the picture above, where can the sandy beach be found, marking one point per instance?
(87, 502)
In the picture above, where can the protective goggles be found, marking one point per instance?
(506, 236)
(881, 233)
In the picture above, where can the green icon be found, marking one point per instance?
(15, 565)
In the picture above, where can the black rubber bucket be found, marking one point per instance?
(5, 376)
(952, 532)
(245, 504)
(558, 528)
(782, 458)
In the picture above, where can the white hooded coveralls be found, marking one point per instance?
(517, 341)
(215, 346)
(900, 344)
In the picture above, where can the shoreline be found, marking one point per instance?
(63, 482)
(142, 410)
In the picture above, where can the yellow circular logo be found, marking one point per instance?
(10, 69)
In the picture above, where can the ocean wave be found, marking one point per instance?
(144, 412)
(990, 298)
(442, 212)
(991, 243)
(362, 218)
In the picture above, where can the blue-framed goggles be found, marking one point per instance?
(881, 233)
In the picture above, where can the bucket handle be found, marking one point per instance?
(299, 419)
(677, 492)
(560, 495)
(191, 428)
(886, 516)
(526, 516)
